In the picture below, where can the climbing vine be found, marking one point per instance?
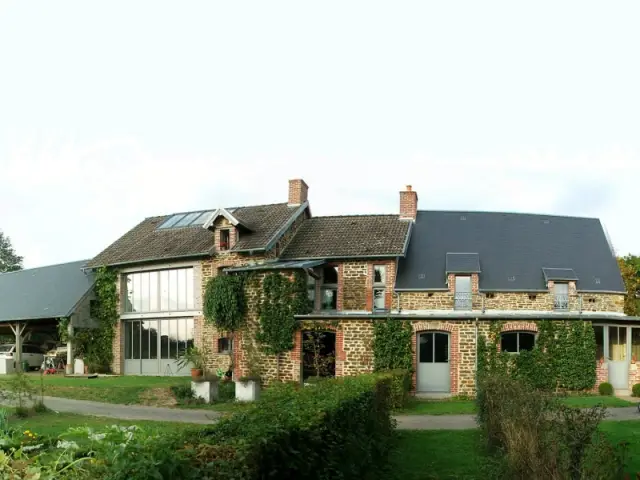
(98, 342)
(224, 302)
(564, 356)
(392, 345)
(280, 301)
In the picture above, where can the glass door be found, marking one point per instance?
(618, 360)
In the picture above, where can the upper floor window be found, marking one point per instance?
(159, 291)
(561, 296)
(329, 288)
(379, 286)
(311, 291)
(516, 342)
(462, 293)
(224, 239)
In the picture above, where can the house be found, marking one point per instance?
(33, 301)
(448, 273)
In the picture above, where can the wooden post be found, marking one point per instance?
(18, 329)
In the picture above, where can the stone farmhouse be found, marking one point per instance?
(450, 273)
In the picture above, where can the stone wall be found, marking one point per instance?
(354, 285)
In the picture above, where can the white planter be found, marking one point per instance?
(248, 391)
(78, 366)
(7, 365)
(208, 391)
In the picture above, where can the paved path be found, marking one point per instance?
(139, 412)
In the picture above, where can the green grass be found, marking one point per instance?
(459, 407)
(449, 454)
(123, 390)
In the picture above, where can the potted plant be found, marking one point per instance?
(193, 357)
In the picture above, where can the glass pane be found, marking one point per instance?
(182, 336)
(599, 334)
(509, 342)
(153, 339)
(190, 332)
(635, 343)
(463, 285)
(330, 275)
(173, 290)
(191, 298)
(329, 299)
(135, 344)
(153, 291)
(426, 348)
(187, 219)
(311, 294)
(144, 292)
(164, 290)
(527, 341)
(128, 306)
(127, 340)
(173, 338)
(202, 218)
(561, 288)
(137, 300)
(378, 299)
(144, 350)
(182, 289)
(379, 274)
(441, 347)
(172, 221)
(164, 339)
(617, 343)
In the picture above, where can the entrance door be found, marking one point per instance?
(433, 362)
(618, 361)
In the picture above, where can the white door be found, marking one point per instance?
(433, 362)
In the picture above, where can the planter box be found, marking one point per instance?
(248, 391)
(208, 391)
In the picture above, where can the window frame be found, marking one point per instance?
(329, 287)
(229, 349)
(558, 303)
(227, 244)
(379, 286)
(518, 333)
(159, 286)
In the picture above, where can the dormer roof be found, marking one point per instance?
(226, 213)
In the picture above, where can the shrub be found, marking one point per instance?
(400, 387)
(226, 391)
(605, 388)
(285, 436)
(635, 390)
(182, 392)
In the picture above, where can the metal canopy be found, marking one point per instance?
(276, 266)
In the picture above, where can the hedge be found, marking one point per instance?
(338, 429)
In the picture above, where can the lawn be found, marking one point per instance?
(453, 454)
(454, 406)
(123, 390)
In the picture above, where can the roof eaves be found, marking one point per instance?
(225, 213)
(281, 231)
(611, 292)
(346, 257)
(151, 259)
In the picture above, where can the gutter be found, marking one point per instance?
(465, 316)
(149, 260)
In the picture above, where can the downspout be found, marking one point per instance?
(476, 378)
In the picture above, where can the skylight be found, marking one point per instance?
(188, 219)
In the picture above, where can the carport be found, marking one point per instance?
(33, 301)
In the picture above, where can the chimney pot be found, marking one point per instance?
(408, 188)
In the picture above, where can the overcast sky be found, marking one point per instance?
(116, 111)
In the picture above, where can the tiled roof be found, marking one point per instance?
(349, 236)
(146, 242)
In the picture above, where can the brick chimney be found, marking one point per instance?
(297, 192)
(408, 204)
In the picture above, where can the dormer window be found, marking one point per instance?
(561, 296)
(224, 239)
(379, 286)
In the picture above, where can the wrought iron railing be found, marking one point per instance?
(462, 301)
(561, 302)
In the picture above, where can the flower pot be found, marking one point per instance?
(196, 373)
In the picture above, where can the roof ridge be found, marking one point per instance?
(552, 215)
(357, 215)
(213, 210)
(44, 266)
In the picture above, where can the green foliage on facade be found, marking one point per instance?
(224, 302)
(98, 342)
(392, 345)
(564, 356)
(630, 271)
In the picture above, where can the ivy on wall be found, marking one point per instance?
(564, 356)
(392, 345)
(224, 302)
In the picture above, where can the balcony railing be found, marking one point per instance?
(561, 302)
(462, 301)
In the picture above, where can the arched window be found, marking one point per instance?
(515, 342)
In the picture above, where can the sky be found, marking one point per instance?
(111, 112)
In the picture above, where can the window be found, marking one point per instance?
(515, 342)
(159, 291)
(330, 288)
(561, 296)
(225, 345)
(311, 291)
(224, 239)
(379, 286)
(462, 295)
(153, 339)
(599, 334)
(617, 343)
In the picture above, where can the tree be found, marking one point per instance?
(630, 270)
(9, 261)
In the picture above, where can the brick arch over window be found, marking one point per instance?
(519, 327)
(454, 353)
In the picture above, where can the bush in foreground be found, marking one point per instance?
(635, 390)
(605, 388)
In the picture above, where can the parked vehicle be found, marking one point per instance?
(32, 354)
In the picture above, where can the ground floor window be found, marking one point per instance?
(515, 342)
(319, 354)
(157, 339)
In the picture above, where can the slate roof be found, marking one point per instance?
(349, 236)
(513, 249)
(146, 243)
(566, 274)
(45, 292)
